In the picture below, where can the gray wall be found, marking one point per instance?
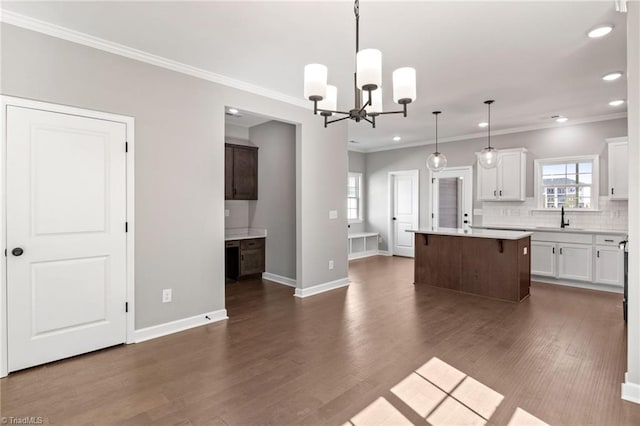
(275, 208)
(561, 141)
(179, 233)
(357, 165)
(231, 131)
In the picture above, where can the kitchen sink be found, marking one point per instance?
(557, 228)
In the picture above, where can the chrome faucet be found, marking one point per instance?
(562, 222)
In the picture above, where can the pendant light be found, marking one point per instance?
(488, 157)
(436, 161)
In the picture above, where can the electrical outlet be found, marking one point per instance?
(525, 251)
(333, 214)
(331, 264)
(166, 295)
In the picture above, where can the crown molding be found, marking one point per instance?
(73, 36)
(495, 133)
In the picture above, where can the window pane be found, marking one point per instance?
(571, 168)
(554, 169)
(585, 178)
(586, 167)
(352, 203)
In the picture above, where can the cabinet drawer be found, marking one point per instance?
(235, 243)
(561, 237)
(252, 244)
(608, 240)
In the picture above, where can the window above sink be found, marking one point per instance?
(569, 182)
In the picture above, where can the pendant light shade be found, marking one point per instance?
(330, 102)
(369, 69)
(488, 157)
(404, 85)
(315, 82)
(436, 162)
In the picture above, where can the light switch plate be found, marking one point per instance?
(333, 214)
(166, 295)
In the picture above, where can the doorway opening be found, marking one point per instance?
(452, 198)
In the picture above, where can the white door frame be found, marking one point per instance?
(415, 175)
(467, 173)
(129, 122)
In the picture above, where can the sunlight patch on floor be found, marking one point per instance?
(443, 396)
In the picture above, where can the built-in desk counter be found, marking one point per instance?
(491, 263)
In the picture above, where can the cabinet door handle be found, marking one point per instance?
(553, 250)
(495, 193)
(598, 253)
(560, 250)
(501, 192)
(612, 191)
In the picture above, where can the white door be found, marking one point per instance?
(66, 212)
(404, 212)
(543, 259)
(452, 198)
(509, 175)
(609, 265)
(574, 262)
(487, 183)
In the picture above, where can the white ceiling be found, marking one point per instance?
(533, 58)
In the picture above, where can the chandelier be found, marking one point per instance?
(367, 86)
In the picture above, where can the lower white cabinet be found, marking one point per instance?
(574, 262)
(609, 265)
(584, 257)
(543, 258)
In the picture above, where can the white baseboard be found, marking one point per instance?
(630, 391)
(321, 288)
(279, 279)
(589, 286)
(369, 254)
(160, 330)
(384, 253)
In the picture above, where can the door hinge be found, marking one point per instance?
(126, 227)
(126, 306)
(5, 252)
(433, 215)
(126, 147)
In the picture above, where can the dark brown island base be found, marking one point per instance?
(489, 263)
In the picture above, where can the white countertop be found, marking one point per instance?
(567, 230)
(477, 233)
(232, 234)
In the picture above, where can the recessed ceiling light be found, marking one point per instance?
(560, 119)
(396, 138)
(483, 124)
(600, 31)
(233, 111)
(616, 102)
(612, 76)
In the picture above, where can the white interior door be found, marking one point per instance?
(404, 211)
(452, 198)
(66, 212)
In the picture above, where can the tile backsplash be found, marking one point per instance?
(611, 215)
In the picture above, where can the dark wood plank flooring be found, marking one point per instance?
(279, 360)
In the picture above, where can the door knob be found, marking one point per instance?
(394, 218)
(17, 251)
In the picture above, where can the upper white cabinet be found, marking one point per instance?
(506, 182)
(618, 168)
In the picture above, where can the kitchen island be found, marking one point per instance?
(484, 262)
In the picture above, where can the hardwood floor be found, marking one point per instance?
(280, 360)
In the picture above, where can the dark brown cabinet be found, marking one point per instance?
(240, 172)
(245, 257)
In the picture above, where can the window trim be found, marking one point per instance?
(360, 218)
(595, 180)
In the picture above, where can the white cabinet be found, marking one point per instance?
(543, 258)
(506, 182)
(574, 262)
(617, 149)
(609, 265)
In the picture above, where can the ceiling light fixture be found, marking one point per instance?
(560, 118)
(483, 124)
(488, 157)
(397, 138)
(600, 31)
(233, 111)
(612, 76)
(367, 82)
(436, 162)
(616, 103)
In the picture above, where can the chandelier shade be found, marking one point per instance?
(404, 85)
(367, 86)
(369, 69)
